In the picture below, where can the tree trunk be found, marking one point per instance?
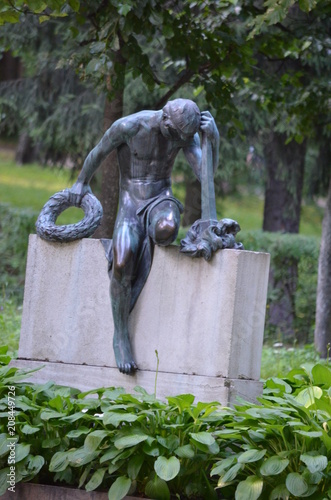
(285, 170)
(10, 67)
(323, 300)
(26, 150)
(282, 206)
(110, 172)
(192, 209)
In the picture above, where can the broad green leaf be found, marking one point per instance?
(3, 444)
(170, 443)
(74, 4)
(21, 451)
(75, 416)
(250, 489)
(228, 434)
(50, 443)
(78, 432)
(9, 17)
(93, 440)
(151, 449)
(296, 484)
(314, 462)
(120, 488)
(29, 429)
(114, 467)
(24, 403)
(230, 475)
(251, 456)
(280, 493)
(222, 465)
(56, 403)
(186, 451)
(115, 418)
(96, 479)
(203, 438)
(307, 396)
(83, 477)
(311, 490)
(258, 436)
(110, 454)
(182, 402)
(167, 468)
(3, 476)
(48, 414)
(273, 466)
(81, 457)
(321, 375)
(59, 461)
(97, 47)
(89, 403)
(275, 382)
(157, 488)
(267, 413)
(35, 463)
(310, 434)
(38, 6)
(130, 440)
(124, 9)
(134, 466)
(123, 455)
(313, 478)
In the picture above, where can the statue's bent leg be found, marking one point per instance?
(164, 223)
(126, 249)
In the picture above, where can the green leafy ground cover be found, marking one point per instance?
(279, 448)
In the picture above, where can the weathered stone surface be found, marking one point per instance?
(84, 377)
(204, 318)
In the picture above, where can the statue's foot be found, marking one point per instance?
(123, 355)
(128, 368)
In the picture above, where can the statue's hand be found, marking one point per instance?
(78, 191)
(208, 125)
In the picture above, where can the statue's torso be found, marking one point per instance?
(147, 156)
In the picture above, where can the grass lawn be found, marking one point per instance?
(30, 186)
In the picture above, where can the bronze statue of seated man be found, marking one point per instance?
(147, 144)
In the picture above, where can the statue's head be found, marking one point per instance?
(180, 119)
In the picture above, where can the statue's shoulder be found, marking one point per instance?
(131, 124)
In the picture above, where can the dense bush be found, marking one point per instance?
(15, 227)
(106, 439)
(288, 251)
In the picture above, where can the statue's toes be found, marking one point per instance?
(128, 368)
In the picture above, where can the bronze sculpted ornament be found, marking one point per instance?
(147, 144)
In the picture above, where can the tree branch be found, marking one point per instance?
(184, 78)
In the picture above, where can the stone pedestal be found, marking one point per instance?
(205, 320)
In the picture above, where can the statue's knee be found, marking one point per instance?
(165, 231)
(122, 265)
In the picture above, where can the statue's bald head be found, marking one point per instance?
(184, 115)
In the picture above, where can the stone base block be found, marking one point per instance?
(204, 319)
